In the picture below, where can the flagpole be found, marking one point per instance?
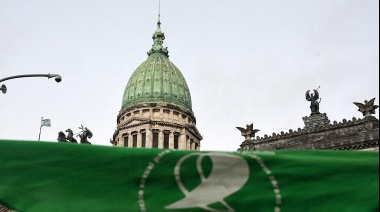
(39, 136)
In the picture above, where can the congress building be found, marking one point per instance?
(156, 109)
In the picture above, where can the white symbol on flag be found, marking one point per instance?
(45, 123)
(229, 174)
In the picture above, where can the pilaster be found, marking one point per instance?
(130, 142)
(161, 139)
(149, 139)
(171, 140)
(182, 142)
(139, 139)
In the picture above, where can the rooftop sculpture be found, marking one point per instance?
(319, 133)
(248, 132)
(313, 99)
(84, 135)
(316, 118)
(70, 136)
(61, 137)
(368, 108)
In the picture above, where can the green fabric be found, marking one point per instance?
(46, 176)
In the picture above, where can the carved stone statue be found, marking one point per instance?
(368, 108)
(313, 98)
(70, 136)
(248, 132)
(86, 133)
(61, 137)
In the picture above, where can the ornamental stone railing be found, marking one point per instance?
(320, 133)
(352, 134)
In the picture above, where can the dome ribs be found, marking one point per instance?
(157, 80)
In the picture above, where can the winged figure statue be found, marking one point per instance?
(313, 99)
(248, 132)
(368, 108)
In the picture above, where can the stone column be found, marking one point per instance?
(171, 140)
(139, 138)
(182, 142)
(149, 139)
(161, 139)
(192, 144)
(188, 146)
(198, 147)
(130, 140)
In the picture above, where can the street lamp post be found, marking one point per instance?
(56, 77)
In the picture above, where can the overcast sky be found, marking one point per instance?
(245, 61)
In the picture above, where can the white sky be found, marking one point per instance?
(245, 61)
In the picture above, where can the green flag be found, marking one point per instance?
(45, 176)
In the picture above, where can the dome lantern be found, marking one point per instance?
(158, 40)
(157, 80)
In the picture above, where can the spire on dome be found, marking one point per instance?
(158, 37)
(159, 17)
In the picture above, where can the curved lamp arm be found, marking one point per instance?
(56, 77)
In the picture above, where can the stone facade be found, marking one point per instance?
(316, 120)
(4, 209)
(157, 126)
(319, 133)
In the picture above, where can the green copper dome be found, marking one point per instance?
(157, 80)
